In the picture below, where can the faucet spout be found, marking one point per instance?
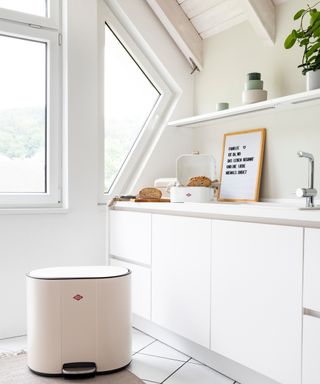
(306, 155)
(309, 193)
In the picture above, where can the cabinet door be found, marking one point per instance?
(140, 288)
(130, 235)
(257, 297)
(311, 356)
(181, 276)
(311, 299)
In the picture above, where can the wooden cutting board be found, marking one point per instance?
(163, 200)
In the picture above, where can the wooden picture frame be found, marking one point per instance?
(241, 165)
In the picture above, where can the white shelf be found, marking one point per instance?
(286, 102)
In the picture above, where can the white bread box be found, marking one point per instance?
(191, 166)
(78, 320)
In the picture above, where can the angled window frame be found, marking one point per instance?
(52, 198)
(112, 15)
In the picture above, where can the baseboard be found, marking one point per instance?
(227, 367)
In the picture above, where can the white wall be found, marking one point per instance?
(78, 237)
(228, 57)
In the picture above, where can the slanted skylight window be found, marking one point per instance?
(33, 7)
(130, 97)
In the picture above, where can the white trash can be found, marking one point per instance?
(78, 320)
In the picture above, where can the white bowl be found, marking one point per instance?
(254, 96)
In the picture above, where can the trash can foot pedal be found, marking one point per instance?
(78, 370)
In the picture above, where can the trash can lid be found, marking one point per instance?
(83, 272)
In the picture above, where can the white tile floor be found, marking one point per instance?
(152, 361)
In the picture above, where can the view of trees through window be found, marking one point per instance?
(34, 7)
(22, 115)
(130, 97)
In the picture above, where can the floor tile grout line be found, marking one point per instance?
(176, 370)
(169, 346)
(234, 381)
(12, 337)
(222, 374)
(164, 343)
(144, 347)
(164, 357)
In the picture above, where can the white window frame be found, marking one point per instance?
(113, 15)
(52, 37)
(52, 21)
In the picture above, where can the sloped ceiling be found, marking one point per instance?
(190, 21)
(213, 16)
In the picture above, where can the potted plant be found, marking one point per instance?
(308, 37)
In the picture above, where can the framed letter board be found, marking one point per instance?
(241, 165)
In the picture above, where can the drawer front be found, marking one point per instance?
(130, 236)
(311, 297)
(140, 288)
(311, 348)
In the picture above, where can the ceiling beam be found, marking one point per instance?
(262, 16)
(180, 28)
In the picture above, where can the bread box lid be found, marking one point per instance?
(195, 165)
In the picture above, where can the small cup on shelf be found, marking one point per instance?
(222, 106)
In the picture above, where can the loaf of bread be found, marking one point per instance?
(150, 193)
(199, 181)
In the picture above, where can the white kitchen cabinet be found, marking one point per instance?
(311, 356)
(130, 236)
(181, 276)
(140, 288)
(257, 297)
(311, 296)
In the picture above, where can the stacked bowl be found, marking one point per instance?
(253, 89)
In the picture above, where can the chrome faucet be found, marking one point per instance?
(310, 192)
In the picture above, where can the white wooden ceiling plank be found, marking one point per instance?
(180, 28)
(221, 13)
(194, 8)
(277, 2)
(223, 26)
(262, 17)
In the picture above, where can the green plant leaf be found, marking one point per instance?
(315, 26)
(304, 42)
(290, 41)
(298, 14)
(314, 17)
(316, 33)
(310, 51)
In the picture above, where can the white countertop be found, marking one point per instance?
(271, 213)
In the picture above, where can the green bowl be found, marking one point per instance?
(222, 106)
(254, 76)
(253, 84)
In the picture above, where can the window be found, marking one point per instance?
(137, 96)
(22, 115)
(34, 7)
(29, 107)
(44, 13)
(130, 97)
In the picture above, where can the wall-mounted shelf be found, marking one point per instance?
(286, 102)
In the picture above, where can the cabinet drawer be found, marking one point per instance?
(311, 299)
(130, 236)
(140, 288)
(311, 347)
